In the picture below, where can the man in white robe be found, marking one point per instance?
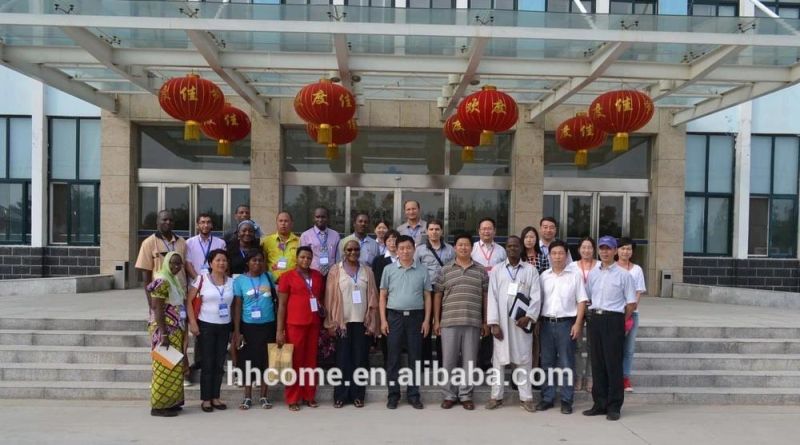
(512, 344)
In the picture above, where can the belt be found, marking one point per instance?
(405, 313)
(604, 312)
(557, 319)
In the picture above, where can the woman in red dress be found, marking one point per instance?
(301, 292)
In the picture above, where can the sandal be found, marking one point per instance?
(265, 403)
(246, 404)
(311, 403)
(294, 407)
(207, 408)
(358, 403)
(338, 404)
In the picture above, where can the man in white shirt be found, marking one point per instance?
(488, 254)
(198, 246)
(564, 305)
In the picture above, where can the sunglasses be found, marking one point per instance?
(353, 249)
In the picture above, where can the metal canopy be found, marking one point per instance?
(697, 65)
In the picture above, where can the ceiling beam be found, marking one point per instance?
(699, 69)
(210, 53)
(342, 59)
(728, 99)
(597, 66)
(104, 53)
(475, 54)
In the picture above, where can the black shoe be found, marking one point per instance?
(416, 403)
(163, 413)
(566, 408)
(543, 406)
(176, 408)
(391, 404)
(594, 412)
(612, 416)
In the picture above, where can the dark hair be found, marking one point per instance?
(247, 206)
(214, 253)
(412, 200)
(288, 213)
(204, 215)
(483, 220)
(327, 212)
(252, 253)
(405, 239)
(510, 237)
(550, 219)
(591, 240)
(359, 213)
(384, 222)
(304, 249)
(462, 235)
(558, 243)
(536, 247)
(393, 233)
(436, 222)
(625, 241)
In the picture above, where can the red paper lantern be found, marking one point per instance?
(621, 112)
(230, 125)
(489, 111)
(191, 99)
(325, 104)
(341, 134)
(580, 134)
(457, 134)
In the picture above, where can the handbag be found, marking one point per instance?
(278, 360)
(197, 303)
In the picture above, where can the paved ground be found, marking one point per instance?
(64, 422)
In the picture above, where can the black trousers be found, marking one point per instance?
(214, 345)
(403, 329)
(429, 346)
(485, 351)
(606, 343)
(352, 352)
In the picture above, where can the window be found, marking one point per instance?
(603, 162)
(633, 7)
(709, 194)
(568, 6)
(787, 9)
(493, 4)
(74, 181)
(371, 3)
(432, 4)
(467, 207)
(773, 196)
(713, 8)
(15, 180)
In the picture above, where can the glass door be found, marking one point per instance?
(578, 219)
(177, 199)
(211, 200)
(378, 203)
(610, 209)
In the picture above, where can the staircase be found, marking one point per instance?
(109, 360)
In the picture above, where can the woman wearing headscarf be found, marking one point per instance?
(166, 329)
(247, 238)
(351, 301)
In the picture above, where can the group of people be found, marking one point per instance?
(489, 306)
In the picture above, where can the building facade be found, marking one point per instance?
(713, 201)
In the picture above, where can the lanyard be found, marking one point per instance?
(168, 245)
(206, 250)
(220, 290)
(309, 282)
(323, 246)
(242, 252)
(489, 256)
(508, 270)
(354, 277)
(256, 287)
(282, 245)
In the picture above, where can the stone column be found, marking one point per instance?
(527, 176)
(118, 197)
(666, 202)
(265, 168)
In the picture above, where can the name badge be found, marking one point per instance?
(251, 292)
(323, 261)
(204, 268)
(224, 312)
(183, 313)
(282, 263)
(314, 304)
(357, 296)
(512, 289)
(255, 314)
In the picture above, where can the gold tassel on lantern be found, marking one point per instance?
(487, 137)
(324, 134)
(191, 131)
(224, 148)
(331, 151)
(582, 158)
(468, 154)
(620, 143)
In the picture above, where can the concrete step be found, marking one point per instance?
(740, 362)
(431, 396)
(70, 324)
(75, 372)
(716, 379)
(73, 338)
(73, 354)
(718, 345)
(716, 332)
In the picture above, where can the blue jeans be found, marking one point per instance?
(558, 351)
(630, 345)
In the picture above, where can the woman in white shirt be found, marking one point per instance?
(625, 250)
(587, 249)
(212, 323)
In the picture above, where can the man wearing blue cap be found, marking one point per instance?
(613, 298)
